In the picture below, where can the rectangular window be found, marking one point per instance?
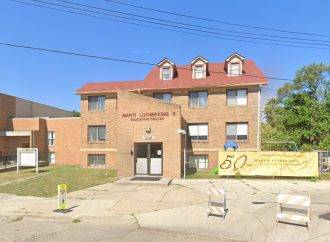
(96, 133)
(237, 131)
(166, 73)
(237, 97)
(96, 160)
(198, 131)
(198, 99)
(51, 158)
(198, 161)
(235, 69)
(96, 103)
(51, 138)
(165, 97)
(198, 71)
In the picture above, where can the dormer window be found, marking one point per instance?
(199, 71)
(235, 69)
(167, 69)
(166, 73)
(234, 64)
(199, 67)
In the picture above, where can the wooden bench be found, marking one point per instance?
(217, 202)
(293, 209)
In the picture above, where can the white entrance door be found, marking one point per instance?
(156, 154)
(141, 165)
(148, 159)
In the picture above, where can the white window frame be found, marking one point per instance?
(199, 74)
(199, 127)
(158, 94)
(198, 98)
(194, 161)
(51, 136)
(162, 74)
(50, 157)
(97, 133)
(238, 101)
(100, 103)
(240, 127)
(238, 70)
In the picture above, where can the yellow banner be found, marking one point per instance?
(268, 163)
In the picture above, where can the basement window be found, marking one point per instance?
(96, 160)
(198, 161)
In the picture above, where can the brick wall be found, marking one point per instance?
(217, 114)
(122, 133)
(7, 110)
(107, 118)
(163, 131)
(67, 139)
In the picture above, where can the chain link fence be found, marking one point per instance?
(10, 161)
(324, 161)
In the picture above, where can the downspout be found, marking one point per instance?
(259, 117)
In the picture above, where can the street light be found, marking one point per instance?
(183, 132)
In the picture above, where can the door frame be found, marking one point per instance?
(148, 157)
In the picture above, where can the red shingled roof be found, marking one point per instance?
(252, 76)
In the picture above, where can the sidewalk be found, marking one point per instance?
(181, 207)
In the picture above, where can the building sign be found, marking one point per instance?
(268, 163)
(148, 116)
(27, 157)
(148, 137)
(61, 193)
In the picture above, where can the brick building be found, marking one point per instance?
(143, 127)
(23, 124)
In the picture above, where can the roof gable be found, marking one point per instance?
(235, 55)
(164, 61)
(199, 58)
(183, 80)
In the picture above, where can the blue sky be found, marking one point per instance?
(52, 79)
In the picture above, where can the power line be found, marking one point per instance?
(191, 25)
(72, 53)
(168, 25)
(109, 19)
(216, 21)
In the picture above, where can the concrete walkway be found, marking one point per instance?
(181, 208)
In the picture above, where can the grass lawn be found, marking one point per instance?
(209, 175)
(325, 176)
(45, 183)
(11, 175)
(201, 175)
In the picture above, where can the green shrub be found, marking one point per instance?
(215, 170)
(307, 147)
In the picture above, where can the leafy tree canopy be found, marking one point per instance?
(301, 111)
(75, 113)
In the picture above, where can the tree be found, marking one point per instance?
(301, 110)
(75, 113)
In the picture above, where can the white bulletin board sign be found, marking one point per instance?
(27, 157)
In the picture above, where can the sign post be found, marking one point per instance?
(61, 197)
(27, 157)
